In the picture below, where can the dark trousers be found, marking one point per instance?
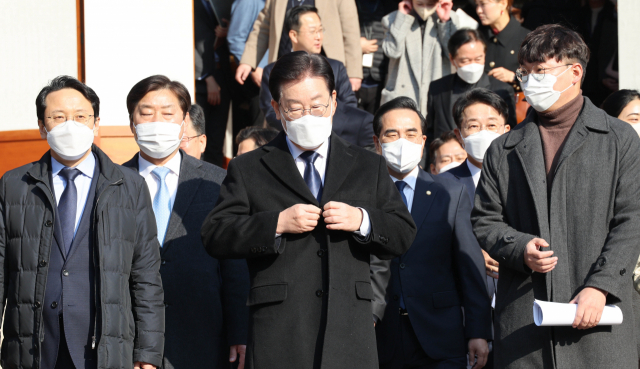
(245, 108)
(63, 360)
(410, 355)
(215, 117)
(369, 98)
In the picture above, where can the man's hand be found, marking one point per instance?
(342, 217)
(213, 91)
(490, 265)
(502, 74)
(221, 32)
(478, 349)
(539, 261)
(299, 218)
(591, 303)
(243, 72)
(368, 46)
(235, 352)
(405, 7)
(256, 76)
(355, 83)
(141, 365)
(444, 10)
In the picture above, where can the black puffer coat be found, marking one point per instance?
(130, 308)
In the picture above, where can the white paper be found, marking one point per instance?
(367, 60)
(558, 314)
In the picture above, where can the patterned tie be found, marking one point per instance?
(401, 185)
(162, 203)
(67, 206)
(311, 175)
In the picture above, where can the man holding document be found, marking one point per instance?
(559, 234)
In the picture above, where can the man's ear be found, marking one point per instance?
(293, 35)
(577, 72)
(507, 128)
(96, 126)
(376, 143)
(433, 169)
(459, 136)
(276, 109)
(43, 132)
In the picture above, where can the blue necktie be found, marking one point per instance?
(311, 175)
(401, 185)
(162, 203)
(68, 206)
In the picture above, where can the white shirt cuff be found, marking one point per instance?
(365, 226)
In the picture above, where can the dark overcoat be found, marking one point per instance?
(311, 293)
(591, 219)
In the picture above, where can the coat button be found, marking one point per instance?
(623, 271)
(38, 304)
(48, 223)
(65, 273)
(42, 263)
(402, 265)
(320, 252)
(495, 40)
(164, 262)
(602, 262)
(512, 52)
(319, 293)
(492, 64)
(54, 304)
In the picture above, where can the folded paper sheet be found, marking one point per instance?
(557, 314)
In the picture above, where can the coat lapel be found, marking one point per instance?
(280, 161)
(414, 38)
(421, 200)
(428, 45)
(340, 160)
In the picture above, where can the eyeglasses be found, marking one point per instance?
(60, 118)
(523, 74)
(186, 140)
(318, 32)
(317, 111)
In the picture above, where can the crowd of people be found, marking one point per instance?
(410, 176)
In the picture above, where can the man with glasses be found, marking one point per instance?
(194, 140)
(79, 255)
(307, 211)
(307, 34)
(205, 299)
(558, 207)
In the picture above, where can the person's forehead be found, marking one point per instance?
(550, 62)
(163, 98)
(67, 99)
(310, 18)
(480, 111)
(451, 147)
(305, 89)
(473, 47)
(400, 119)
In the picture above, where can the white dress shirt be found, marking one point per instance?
(145, 168)
(475, 172)
(82, 182)
(321, 166)
(410, 188)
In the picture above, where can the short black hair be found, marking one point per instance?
(462, 37)
(292, 18)
(479, 96)
(438, 142)
(554, 41)
(197, 119)
(156, 83)
(296, 66)
(62, 82)
(615, 103)
(401, 102)
(261, 136)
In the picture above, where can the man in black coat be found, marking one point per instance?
(205, 299)
(79, 255)
(467, 53)
(442, 272)
(306, 34)
(308, 210)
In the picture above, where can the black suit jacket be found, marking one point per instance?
(442, 272)
(310, 293)
(353, 125)
(343, 90)
(205, 298)
(439, 112)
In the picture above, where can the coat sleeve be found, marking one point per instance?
(471, 273)
(204, 41)
(380, 271)
(501, 241)
(348, 13)
(396, 27)
(3, 248)
(235, 290)
(392, 227)
(343, 87)
(145, 285)
(258, 41)
(621, 248)
(230, 231)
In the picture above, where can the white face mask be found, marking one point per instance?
(470, 73)
(477, 144)
(308, 131)
(158, 139)
(425, 12)
(540, 94)
(402, 155)
(71, 140)
(449, 166)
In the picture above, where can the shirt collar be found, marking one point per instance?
(86, 167)
(145, 167)
(410, 179)
(296, 151)
(473, 169)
